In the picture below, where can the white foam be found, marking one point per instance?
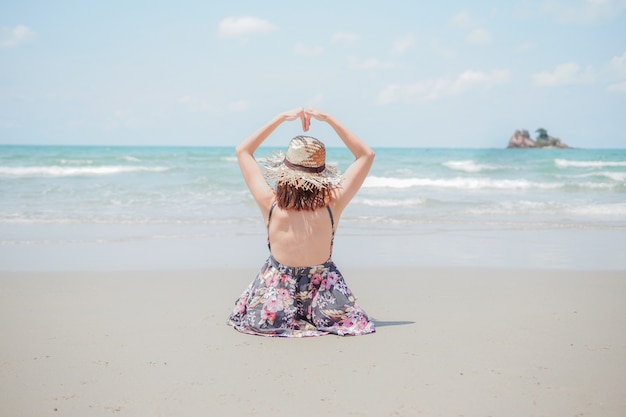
(615, 176)
(551, 208)
(131, 158)
(564, 163)
(458, 182)
(596, 185)
(389, 203)
(598, 210)
(76, 161)
(61, 171)
(468, 166)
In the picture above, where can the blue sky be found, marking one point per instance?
(417, 74)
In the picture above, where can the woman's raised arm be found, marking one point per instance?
(252, 174)
(358, 170)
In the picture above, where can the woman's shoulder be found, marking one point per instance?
(337, 204)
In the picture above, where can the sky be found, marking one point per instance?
(397, 73)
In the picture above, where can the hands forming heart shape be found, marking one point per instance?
(306, 120)
(305, 116)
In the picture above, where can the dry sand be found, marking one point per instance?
(448, 343)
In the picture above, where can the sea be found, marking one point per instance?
(86, 207)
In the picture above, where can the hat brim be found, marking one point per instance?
(276, 172)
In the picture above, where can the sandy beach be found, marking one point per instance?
(449, 342)
(487, 239)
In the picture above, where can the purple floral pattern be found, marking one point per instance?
(296, 302)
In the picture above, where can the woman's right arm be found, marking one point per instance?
(358, 170)
(252, 173)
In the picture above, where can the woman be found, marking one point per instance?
(299, 291)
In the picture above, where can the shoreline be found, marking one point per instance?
(430, 247)
(449, 341)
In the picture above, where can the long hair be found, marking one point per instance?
(289, 197)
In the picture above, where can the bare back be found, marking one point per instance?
(300, 238)
(303, 238)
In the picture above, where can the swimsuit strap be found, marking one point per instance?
(332, 223)
(269, 217)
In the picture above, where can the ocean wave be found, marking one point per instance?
(129, 158)
(564, 163)
(76, 161)
(592, 185)
(371, 202)
(600, 210)
(615, 176)
(551, 208)
(469, 166)
(62, 171)
(459, 182)
(86, 219)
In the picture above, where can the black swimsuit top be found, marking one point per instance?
(332, 223)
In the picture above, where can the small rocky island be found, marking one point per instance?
(521, 139)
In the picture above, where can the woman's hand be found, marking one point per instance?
(316, 114)
(293, 114)
(305, 116)
(298, 113)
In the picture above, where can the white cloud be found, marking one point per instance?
(371, 64)
(618, 64)
(479, 36)
(302, 49)
(195, 104)
(463, 20)
(345, 38)
(583, 12)
(476, 35)
(12, 37)
(470, 79)
(442, 50)
(241, 27)
(239, 106)
(525, 47)
(316, 100)
(442, 87)
(124, 119)
(563, 74)
(402, 44)
(617, 72)
(8, 123)
(617, 88)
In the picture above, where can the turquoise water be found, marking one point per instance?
(51, 195)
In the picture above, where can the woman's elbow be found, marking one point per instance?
(367, 158)
(241, 150)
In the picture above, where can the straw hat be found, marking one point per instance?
(303, 166)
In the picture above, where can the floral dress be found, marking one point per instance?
(299, 301)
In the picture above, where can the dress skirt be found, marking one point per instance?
(287, 301)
